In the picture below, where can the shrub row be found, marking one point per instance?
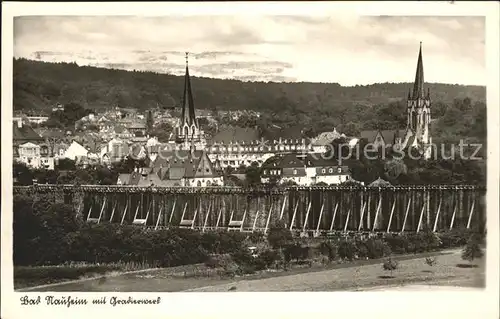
(60, 272)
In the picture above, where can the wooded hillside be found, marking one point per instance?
(40, 85)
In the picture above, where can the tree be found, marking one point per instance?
(162, 131)
(473, 249)
(149, 122)
(22, 174)
(394, 168)
(279, 235)
(66, 164)
(431, 261)
(252, 174)
(390, 265)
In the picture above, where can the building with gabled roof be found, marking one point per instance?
(176, 168)
(313, 168)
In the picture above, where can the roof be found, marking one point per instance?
(295, 132)
(388, 135)
(136, 125)
(25, 133)
(182, 164)
(326, 137)
(28, 144)
(236, 134)
(380, 183)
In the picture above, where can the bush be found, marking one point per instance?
(473, 249)
(328, 249)
(279, 235)
(398, 244)
(454, 238)
(297, 251)
(377, 248)
(256, 237)
(218, 261)
(347, 249)
(60, 272)
(269, 257)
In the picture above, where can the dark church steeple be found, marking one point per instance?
(419, 108)
(418, 86)
(188, 114)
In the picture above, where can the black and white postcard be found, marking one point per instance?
(156, 155)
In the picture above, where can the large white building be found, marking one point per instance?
(304, 170)
(30, 148)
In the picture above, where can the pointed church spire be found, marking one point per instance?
(418, 86)
(188, 114)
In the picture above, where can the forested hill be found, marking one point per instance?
(40, 85)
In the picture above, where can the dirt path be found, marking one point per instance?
(410, 272)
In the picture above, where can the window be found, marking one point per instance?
(207, 170)
(323, 171)
(330, 170)
(265, 172)
(294, 172)
(339, 169)
(209, 183)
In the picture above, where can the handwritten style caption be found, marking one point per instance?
(75, 301)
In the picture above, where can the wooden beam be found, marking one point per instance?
(334, 215)
(184, 211)
(102, 210)
(230, 220)
(294, 214)
(255, 220)
(421, 216)
(377, 212)
(172, 212)
(136, 211)
(194, 218)
(307, 216)
(159, 217)
(471, 212)
(406, 215)
(320, 215)
(113, 212)
(243, 220)
(125, 211)
(283, 207)
(90, 212)
(392, 212)
(206, 217)
(362, 215)
(453, 216)
(437, 213)
(347, 219)
(218, 218)
(269, 217)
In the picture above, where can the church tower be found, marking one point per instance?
(419, 109)
(188, 130)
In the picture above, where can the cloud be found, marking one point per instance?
(347, 49)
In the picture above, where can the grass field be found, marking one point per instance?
(360, 275)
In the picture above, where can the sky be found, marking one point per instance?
(345, 49)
